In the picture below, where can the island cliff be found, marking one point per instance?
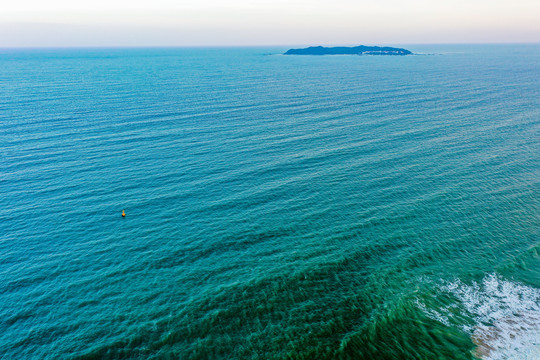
(342, 50)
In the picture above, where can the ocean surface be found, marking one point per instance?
(277, 207)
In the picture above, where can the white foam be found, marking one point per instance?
(507, 317)
(434, 314)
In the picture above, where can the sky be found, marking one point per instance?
(39, 23)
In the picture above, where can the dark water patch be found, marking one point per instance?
(299, 312)
(298, 302)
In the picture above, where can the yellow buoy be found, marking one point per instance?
(123, 213)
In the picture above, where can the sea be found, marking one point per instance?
(276, 207)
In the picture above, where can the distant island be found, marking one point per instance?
(343, 50)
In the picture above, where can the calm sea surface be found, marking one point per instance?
(277, 207)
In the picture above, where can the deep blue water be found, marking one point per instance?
(335, 207)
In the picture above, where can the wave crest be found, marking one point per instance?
(506, 315)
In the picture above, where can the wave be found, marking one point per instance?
(505, 316)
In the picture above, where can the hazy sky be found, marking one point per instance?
(265, 22)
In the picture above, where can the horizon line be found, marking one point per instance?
(255, 45)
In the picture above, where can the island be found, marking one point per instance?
(343, 50)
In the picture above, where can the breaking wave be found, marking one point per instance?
(505, 316)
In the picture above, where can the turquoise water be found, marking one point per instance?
(277, 207)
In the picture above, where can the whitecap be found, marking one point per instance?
(506, 316)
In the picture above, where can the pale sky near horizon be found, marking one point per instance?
(265, 22)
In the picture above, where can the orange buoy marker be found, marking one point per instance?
(123, 213)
